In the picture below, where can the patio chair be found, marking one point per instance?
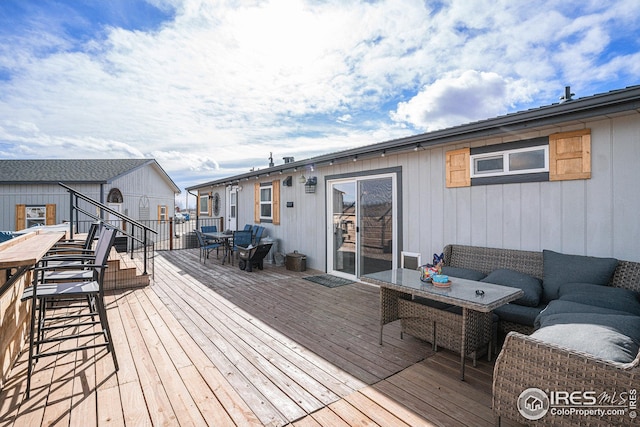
(77, 326)
(74, 266)
(209, 229)
(206, 247)
(241, 238)
(258, 231)
(247, 227)
(75, 244)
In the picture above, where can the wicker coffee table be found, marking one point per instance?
(465, 332)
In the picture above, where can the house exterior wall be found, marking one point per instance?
(145, 181)
(596, 216)
(37, 194)
(140, 183)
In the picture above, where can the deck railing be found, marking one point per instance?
(133, 237)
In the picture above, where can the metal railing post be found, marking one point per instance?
(144, 251)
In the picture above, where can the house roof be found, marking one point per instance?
(87, 171)
(611, 103)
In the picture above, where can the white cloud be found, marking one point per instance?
(455, 99)
(214, 90)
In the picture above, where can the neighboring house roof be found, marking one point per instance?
(91, 171)
(606, 104)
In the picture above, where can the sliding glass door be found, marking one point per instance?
(362, 225)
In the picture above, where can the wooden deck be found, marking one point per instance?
(214, 345)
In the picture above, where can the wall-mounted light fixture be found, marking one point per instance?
(383, 153)
(355, 158)
(310, 186)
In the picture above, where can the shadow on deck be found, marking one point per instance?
(208, 344)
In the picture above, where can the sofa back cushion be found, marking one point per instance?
(531, 286)
(562, 268)
(486, 260)
(463, 273)
(601, 296)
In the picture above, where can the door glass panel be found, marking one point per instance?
(344, 227)
(376, 225)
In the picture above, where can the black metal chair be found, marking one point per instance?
(206, 247)
(49, 327)
(75, 244)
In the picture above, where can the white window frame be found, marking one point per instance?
(163, 212)
(33, 221)
(504, 154)
(203, 198)
(266, 202)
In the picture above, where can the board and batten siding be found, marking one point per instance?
(143, 182)
(41, 194)
(596, 216)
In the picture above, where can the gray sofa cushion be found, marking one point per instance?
(607, 336)
(516, 313)
(561, 306)
(531, 286)
(601, 296)
(463, 273)
(561, 268)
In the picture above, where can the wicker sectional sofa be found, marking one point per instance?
(576, 350)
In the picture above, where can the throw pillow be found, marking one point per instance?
(561, 268)
(531, 286)
(463, 273)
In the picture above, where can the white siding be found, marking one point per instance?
(12, 195)
(596, 217)
(143, 182)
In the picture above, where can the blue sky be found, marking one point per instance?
(210, 87)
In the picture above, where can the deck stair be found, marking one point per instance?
(124, 272)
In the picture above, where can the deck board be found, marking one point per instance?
(207, 344)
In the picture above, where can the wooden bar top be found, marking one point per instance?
(27, 249)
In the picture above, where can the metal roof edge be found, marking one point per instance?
(615, 101)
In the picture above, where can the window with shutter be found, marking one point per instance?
(266, 199)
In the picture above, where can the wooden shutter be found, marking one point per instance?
(21, 217)
(51, 215)
(256, 203)
(457, 168)
(570, 155)
(275, 202)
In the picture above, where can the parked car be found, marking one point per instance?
(186, 216)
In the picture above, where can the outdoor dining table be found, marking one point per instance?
(476, 299)
(226, 239)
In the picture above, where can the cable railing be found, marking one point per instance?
(133, 235)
